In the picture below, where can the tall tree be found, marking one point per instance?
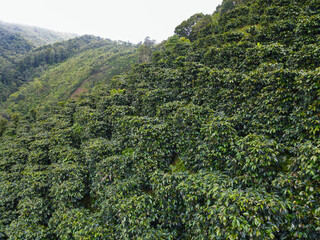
(186, 27)
(145, 50)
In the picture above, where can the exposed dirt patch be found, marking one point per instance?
(77, 92)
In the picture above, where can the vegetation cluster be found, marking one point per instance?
(214, 137)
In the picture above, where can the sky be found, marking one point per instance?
(117, 20)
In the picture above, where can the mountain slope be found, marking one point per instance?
(216, 138)
(35, 35)
(15, 42)
(87, 68)
(18, 39)
(43, 62)
(12, 44)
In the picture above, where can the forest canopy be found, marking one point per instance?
(213, 136)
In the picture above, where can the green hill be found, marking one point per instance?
(11, 46)
(35, 35)
(216, 138)
(88, 67)
(15, 42)
(53, 72)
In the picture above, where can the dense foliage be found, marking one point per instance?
(216, 138)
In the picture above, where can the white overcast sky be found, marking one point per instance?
(127, 20)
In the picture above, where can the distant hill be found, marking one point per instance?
(35, 35)
(16, 41)
(12, 44)
(53, 73)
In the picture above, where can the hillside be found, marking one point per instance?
(87, 69)
(15, 42)
(35, 35)
(11, 46)
(216, 138)
(53, 72)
